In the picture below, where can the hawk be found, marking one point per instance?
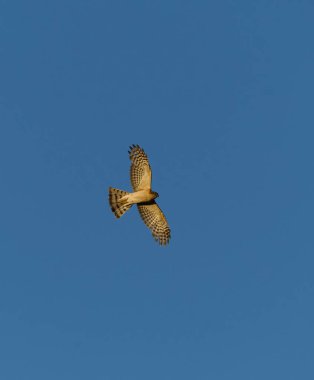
(142, 195)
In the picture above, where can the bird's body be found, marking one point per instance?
(141, 177)
(140, 196)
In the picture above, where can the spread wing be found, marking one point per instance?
(155, 220)
(141, 174)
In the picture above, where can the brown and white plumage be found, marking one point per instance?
(155, 220)
(140, 171)
(141, 179)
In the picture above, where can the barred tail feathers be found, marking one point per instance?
(118, 206)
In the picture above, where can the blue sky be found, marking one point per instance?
(220, 95)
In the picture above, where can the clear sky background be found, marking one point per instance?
(220, 95)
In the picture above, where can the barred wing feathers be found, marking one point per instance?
(156, 221)
(140, 172)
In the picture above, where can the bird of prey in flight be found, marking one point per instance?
(142, 195)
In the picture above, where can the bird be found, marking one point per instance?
(141, 180)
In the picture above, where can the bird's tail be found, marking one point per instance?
(118, 202)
